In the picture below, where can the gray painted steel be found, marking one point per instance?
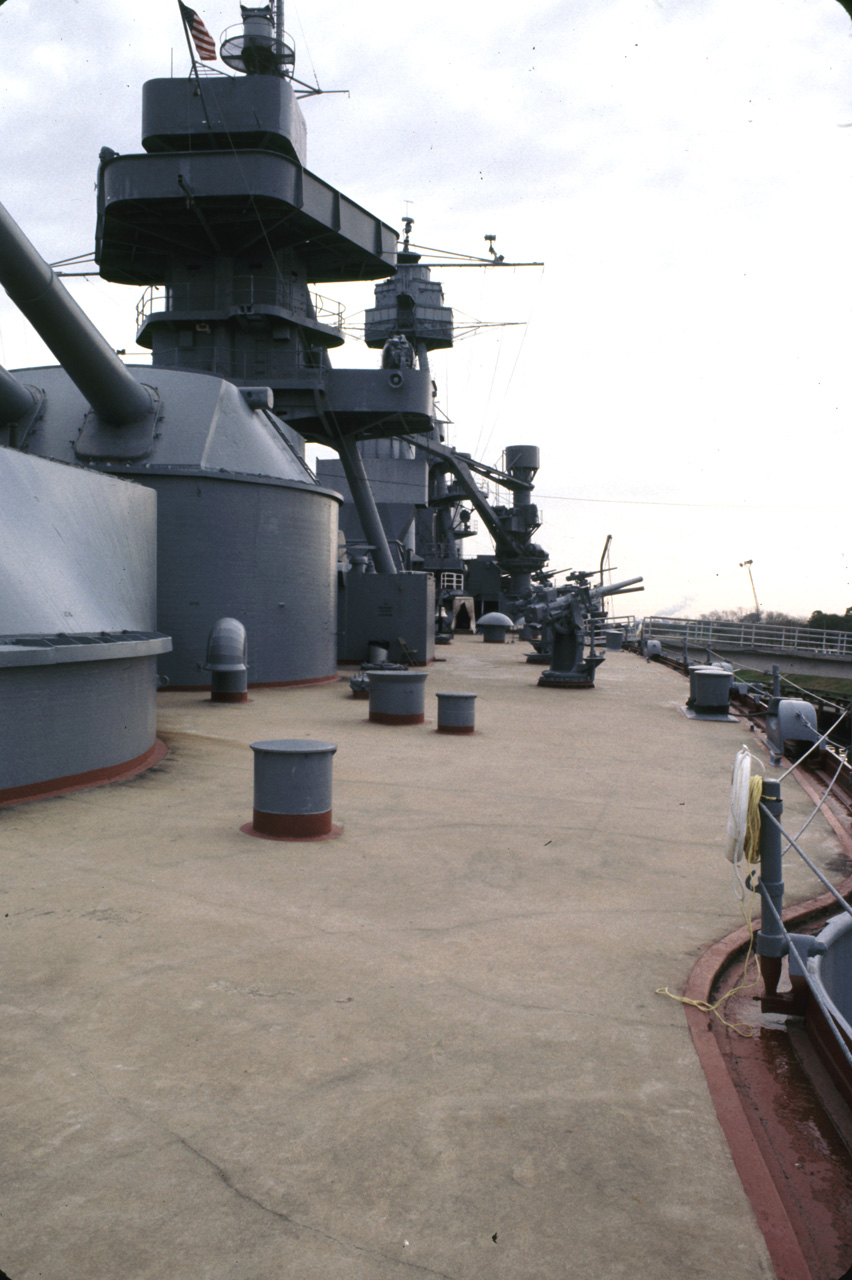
(393, 607)
(78, 648)
(397, 693)
(78, 550)
(411, 304)
(227, 659)
(456, 710)
(233, 113)
(69, 718)
(710, 686)
(293, 775)
(274, 568)
(16, 400)
(65, 649)
(222, 214)
(336, 238)
(362, 496)
(243, 530)
(791, 721)
(521, 458)
(832, 972)
(227, 646)
(206, 426)
(88, 359)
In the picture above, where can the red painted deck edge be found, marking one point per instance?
(82, 781)
(755, 1174)
(263, 684)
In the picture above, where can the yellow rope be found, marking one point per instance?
(740, 1028)
(751, 846)
(751, 853)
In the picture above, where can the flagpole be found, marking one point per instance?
(194, 65)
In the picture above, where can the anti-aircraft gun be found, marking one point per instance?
(568, 613)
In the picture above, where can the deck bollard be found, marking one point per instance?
(456, 712)
(397, 697)
(292, 790)
(614, 640)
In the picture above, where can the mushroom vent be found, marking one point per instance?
(494, 626)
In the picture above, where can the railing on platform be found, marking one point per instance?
(626, 623)
(759, 636)
(245, 291)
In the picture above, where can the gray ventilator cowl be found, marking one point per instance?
(227, 661)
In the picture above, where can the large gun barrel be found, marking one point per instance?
(89, 361)
(16, 400)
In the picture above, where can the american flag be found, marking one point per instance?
(201, 37)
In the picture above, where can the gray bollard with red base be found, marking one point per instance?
(397, 697)
(456, 712)
(292, 790)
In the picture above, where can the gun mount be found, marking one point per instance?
(569, 614)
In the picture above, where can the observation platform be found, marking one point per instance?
(433, 1046)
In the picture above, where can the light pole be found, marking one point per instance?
(746, 564)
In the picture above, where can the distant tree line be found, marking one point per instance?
(831, 621)
(770, 616)
(818, 620)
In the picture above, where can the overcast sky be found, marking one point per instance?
(681, 167)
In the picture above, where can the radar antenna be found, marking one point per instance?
(498, 257)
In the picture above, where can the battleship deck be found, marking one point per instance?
(430, 1047)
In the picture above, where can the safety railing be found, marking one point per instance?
(625, 623)
(245, 291)
(762, 636)
(774, 940)
(758, 835)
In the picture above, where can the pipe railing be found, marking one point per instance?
(747, 635)
(774, 940)
(245, 290)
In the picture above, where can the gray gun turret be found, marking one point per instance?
(230, 478)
